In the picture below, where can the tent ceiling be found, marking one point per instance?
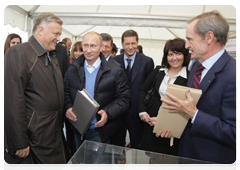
(156, 22)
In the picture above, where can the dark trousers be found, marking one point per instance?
(135, 129)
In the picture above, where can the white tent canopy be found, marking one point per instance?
(154, 23)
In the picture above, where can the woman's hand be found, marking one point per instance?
(164, 134)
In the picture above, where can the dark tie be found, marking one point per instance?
(129, 65)
(197, 76)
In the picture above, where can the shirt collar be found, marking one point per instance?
(132, 57)
(209, 62)
(182, 73)
(108, 58)
(95, 65)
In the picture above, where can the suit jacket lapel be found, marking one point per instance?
(210, 76)
(136, 66)
(122, 61)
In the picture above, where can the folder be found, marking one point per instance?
(85, 108)
(175, 122)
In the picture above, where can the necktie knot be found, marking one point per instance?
(200, 69)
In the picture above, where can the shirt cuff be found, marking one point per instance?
(142, 113)
(194, 117)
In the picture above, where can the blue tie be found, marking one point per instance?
(129, 65)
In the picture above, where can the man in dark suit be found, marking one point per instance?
(63, 58)
(68, 43)
(107, 46)
(137, 67)
(210, 135)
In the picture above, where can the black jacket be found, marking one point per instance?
(149, 141)
(111, 91)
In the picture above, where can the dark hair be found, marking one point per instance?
(8, 40)
(62, 43)
(107, 37)
(130, 33)
(175, 45)
(140, 49)
(114, 48)
(65, 40)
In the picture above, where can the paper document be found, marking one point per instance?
(85, 108)
(175, 122)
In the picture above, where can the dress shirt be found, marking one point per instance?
(132, 60)
(164, 84)
(91, 68)
(108, 58)
(45, 49)
(207, 66)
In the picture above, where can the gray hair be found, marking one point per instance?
(43, 19)
(212, 21)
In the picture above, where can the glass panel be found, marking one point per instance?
(98, 153)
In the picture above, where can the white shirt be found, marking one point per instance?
(164, 85)
(108, 58)
(132, 60)
(91, 68)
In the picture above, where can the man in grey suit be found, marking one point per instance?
(137, 67)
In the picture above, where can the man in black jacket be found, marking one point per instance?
(105, 82)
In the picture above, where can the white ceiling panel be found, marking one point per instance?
(177, 10)
(181, 33)
(157, 22)
(124, 9)
(228, 11)
(118, 31)
(68, 8)
(77, 29)
(161, 34)
(99, 29)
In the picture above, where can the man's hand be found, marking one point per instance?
(152, 121)
(70, 115)
(103, 120)
(23, 153)
(145, 117)
(187, 106)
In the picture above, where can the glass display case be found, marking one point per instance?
(100, 153)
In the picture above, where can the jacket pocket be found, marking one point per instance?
(30, 118)
(32, 124)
